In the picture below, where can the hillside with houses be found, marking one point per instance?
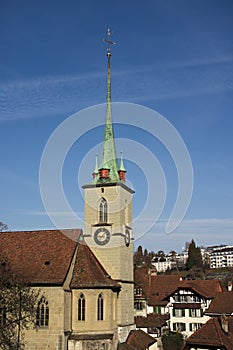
(179, 311)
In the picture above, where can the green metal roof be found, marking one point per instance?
(109, 159)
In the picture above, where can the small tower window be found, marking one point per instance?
(42, 313)
(100, 308)
(103, 210)
(81, 307)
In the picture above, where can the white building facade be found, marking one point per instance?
(221, 257)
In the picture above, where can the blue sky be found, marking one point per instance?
(175, 57)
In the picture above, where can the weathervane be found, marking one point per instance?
(109, 42)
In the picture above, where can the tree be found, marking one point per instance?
(138, 257)
(143, 258)
(173, 255)
(3, 227)
(18, 303)
(172, 341)
(194, 256)
(160, 253)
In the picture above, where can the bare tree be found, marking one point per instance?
(18, 303)
(3, 227)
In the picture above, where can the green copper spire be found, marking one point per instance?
(96, 170)
(122, 168)
(109, 159)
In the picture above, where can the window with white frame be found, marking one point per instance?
(195, 312)
(139, 305)
(178, 312)
(179, 327)
(193, 327)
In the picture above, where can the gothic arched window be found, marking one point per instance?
(42, 313)
(103, 210)
(100, 307)
(81, 307)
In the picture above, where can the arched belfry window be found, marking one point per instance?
(100, 307)
(42, 313)
(81, 307)
(103, 210)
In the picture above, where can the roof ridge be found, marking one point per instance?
(218, 330)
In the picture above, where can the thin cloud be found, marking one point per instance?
(52, 214)
(45, 96)
(205, 232)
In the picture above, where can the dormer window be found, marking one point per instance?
(103, 211)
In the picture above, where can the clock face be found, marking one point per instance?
(127, 238)
(101, 236)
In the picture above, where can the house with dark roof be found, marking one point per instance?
(137, 340)
(215, 334)
(151, 289)
(184, 302)
(188, 302)
(153, 324)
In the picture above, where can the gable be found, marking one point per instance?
(206, 289)
(88, 271)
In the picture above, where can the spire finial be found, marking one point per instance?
(96, 170)
(122, 170)
(109, 42)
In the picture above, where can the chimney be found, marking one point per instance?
(149, 276)
(229, 286)
(224, 322)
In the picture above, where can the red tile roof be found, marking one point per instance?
(158, 288)
(155, 287)
(40, 257)
(161, 287)
(88, 272)
(211, 334)
(221, 304)
(137, 340)
(205, 288)
(152, 320)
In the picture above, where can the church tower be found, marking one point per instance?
(108, 218)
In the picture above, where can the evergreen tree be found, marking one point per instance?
(138, 257)
(194, 256)
(147, 258)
